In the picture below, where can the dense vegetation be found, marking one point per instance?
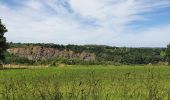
(104, 54)
(168, 53)
(86, 83)
(3, 44)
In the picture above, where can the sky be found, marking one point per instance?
(122, 23)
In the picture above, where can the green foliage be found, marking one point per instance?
(13, 59)
(3, 44)
(68, 61)
(168, 53)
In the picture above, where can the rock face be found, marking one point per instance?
(41, 53)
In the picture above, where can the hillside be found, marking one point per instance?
(87, 54)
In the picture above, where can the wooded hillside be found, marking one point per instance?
(84, 54)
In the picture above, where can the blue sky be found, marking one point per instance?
(130, 23)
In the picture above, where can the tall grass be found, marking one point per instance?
(86, 83)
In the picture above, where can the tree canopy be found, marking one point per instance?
(3, 44)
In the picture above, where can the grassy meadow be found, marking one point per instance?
(86, 83)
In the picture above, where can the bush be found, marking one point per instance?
(168, 53)
(1, 65)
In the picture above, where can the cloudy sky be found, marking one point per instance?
(130, 23)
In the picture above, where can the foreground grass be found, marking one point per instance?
(86, 83)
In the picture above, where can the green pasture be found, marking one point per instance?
(86, 83)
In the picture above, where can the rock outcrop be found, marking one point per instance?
(42, 53)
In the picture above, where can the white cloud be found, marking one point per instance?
(84, 22)
(153, 37)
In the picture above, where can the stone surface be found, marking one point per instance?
(41, 53)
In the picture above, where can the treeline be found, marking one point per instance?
(104, 54)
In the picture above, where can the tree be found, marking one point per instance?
(3, 44)
(168, 53)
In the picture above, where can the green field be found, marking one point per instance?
(86, 83)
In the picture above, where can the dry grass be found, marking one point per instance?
(61, 65)
(11, 66)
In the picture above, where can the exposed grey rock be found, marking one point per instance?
(41, 53)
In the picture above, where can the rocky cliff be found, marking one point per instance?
(41, 53)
